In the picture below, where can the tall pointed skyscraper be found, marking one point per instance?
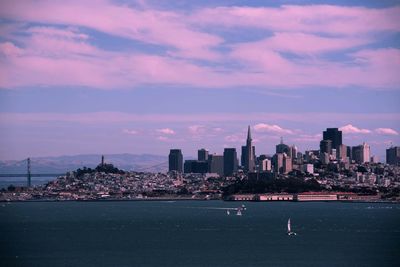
(249, 161)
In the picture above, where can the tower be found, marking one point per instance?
(249, 155)
(334, 135)
(29, 172)
(175, 160)
(230, 161)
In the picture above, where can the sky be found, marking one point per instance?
(80, 77)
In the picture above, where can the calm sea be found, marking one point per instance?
(198, 233)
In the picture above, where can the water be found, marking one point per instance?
(198, 233)
(5, 182)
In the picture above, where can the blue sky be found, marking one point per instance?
(147, 76)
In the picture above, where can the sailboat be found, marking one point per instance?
(289, 229)
(239, 212)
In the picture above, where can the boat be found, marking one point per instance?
(289, 229)
(239, 212)
(228, 212)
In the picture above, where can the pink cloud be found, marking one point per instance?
(303, 43)
(387, 131)
(147, 25)
(272, 128)
(304, 18)
(167, 131)
(54, 56)
(350, 129)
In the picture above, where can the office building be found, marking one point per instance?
(216, 164)
(195, 166)
(202, 154)
(277, 162)
(287, 164)
(361, 153)
(393, 155)
(230, 161)
(334, 135)
(325, 146)
(175, 160)
(283, 148)
(265, 165)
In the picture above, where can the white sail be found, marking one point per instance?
(288, 226)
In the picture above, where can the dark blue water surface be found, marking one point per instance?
(198, 233)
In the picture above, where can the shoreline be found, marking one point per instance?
(205, 200)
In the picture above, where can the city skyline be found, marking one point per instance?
(147, 76)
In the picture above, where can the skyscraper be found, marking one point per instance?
(175, 160)
(283, 148)
(361, 153)
(230, 161)
(216, 164)
(202, 154)
(325, 146)
(248, 157)
(334, 135)
(393, 155)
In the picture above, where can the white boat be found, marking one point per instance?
(228, 212)
(289, 229)
(239, 212)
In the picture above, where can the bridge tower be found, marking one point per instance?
(29, 172)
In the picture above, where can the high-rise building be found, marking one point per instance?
(202, 154)
(334, 135)
(248, 154)
(341, 152)
(195, 166)
(325, 146)
(287, 163)
(393, 155)
(216, 164)
(361, 153)
(277, 162)
(265, 165)
(283, 148)
(175, 160)
(230, 161)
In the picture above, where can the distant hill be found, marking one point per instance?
(61, 164)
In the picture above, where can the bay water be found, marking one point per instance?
(198, 233)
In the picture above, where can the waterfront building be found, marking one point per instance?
(334, 135)
(202, 154)
(248, 154)
(316, 196)
(175, 160)
(230, 161)
(393, 155)
(216, 164)
(275, 197)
